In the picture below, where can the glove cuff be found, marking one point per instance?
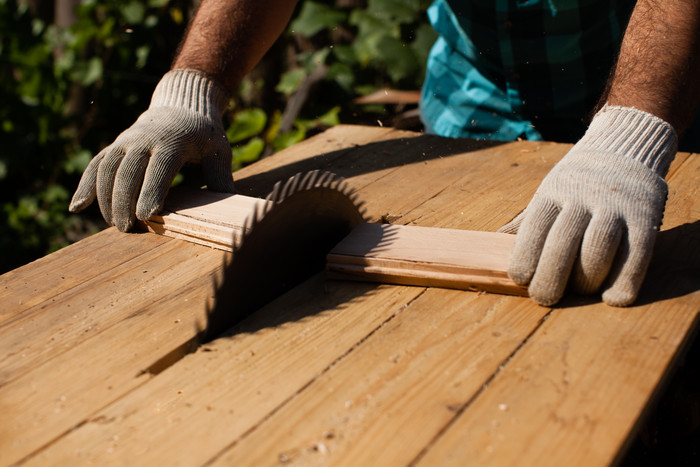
(192, 90)
(632, 133)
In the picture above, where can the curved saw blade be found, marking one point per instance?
(285, 242)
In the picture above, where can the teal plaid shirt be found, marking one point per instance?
(534, 69)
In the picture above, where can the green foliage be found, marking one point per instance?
(67, 92)
(386, 43)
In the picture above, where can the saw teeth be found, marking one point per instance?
(308, 180)
(299, 182)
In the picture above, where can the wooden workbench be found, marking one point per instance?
(95, 364)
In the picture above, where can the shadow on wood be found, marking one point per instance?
(363, 159)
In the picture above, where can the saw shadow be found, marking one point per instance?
(309, 297)
(316, 298)
(363, 159)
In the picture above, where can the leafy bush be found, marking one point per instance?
(69, 91)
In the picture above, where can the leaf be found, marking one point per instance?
(399, 59)
(78, 162)
(142, 55)
(343, 75)
(92, 71)
(345, 54)
(369, 25)
(285, 140)
(315, 17)
(330, 118)
(246, 123)
(291, 81)
(425, 37)
(54, 193)
(401, 11)
(248, 153)
(133, 12)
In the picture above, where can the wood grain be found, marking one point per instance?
(103, 358)
(425, 256)
(43, 279)
(575, 390)
(204, 217)
(385, 401)
(343, 372)
(85, 311)
(193, 410)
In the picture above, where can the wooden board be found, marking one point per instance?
(407, 255)
(576, 380)
(425, 256)
(341, 372)
(204, 217)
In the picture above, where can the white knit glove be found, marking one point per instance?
(131, 177)
(597, 212)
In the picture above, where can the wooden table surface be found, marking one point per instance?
(95, 365)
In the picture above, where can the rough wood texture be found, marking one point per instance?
(425, 256)
(96, 369)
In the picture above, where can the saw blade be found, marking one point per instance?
(285, 242)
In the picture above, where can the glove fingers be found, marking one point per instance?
(87, 190)
(558, 256)
(127, 186)
(160, 173)
(106, 173)
(217, 169)
(598, 248)
(530, 240)
(630, 267)
(513, 226)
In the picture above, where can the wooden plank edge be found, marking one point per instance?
(195, 231)
(425, 278)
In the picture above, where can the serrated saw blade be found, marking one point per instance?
(285, 242)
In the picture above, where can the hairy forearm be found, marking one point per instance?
(658, 68)
(227, 38)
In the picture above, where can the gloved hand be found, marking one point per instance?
(131, 177)
(596, 214)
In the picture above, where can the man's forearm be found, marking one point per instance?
(227, 38)
(658, 69)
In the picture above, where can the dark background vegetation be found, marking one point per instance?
(74, 74)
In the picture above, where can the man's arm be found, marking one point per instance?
(594, 218)
(658, 69)
(130, 178)
(227, 38)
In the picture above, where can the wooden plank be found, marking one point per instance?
(82, 312)
(575, 390)
(64, 391)
(101, 365)
(224, 397)
(204, 217)
(233, 387)
(382, 403)
(69, 267)
(335, 150)
(455, 173)
(195, 409)
(424, 256)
